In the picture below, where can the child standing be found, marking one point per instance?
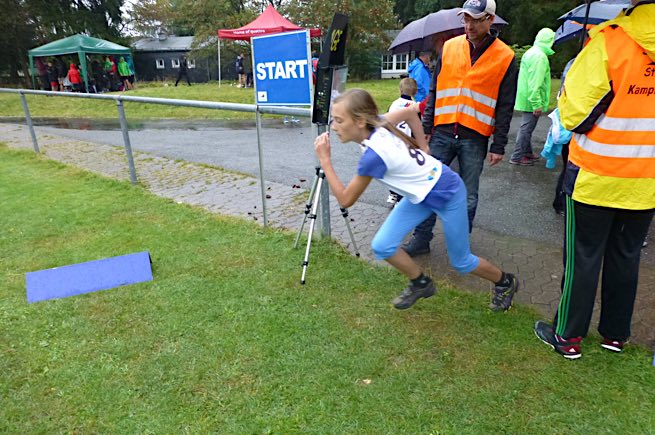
(408, 89)
(124, 73)
(53, 76)
(75, 78)
(428, 186)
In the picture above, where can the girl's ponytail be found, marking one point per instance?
(409, 141)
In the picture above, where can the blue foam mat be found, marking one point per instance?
(76, 279)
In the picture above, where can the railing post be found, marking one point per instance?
(30, 126)
(258, 117)
(324, 206)
(126, 140)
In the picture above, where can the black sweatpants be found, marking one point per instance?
(600, 237)
(183, 73)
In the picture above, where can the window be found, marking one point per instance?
(394, 62)
(160, 63)
(401, 61)
(191, 63)
(387, 62)
(175, 63)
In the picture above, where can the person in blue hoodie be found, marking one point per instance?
(419, 70)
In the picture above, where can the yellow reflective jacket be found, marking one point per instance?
(587, 99)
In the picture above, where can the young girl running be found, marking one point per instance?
(426, 185)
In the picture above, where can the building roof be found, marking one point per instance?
(169, 43)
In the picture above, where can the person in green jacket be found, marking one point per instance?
(533, 94)
(124, 73)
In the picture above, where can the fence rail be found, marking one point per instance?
(236, 107)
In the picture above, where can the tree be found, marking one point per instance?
(369, 19)
(147, 16)
(425, 7)
(30, 23)
(525, 20)
(59, 18)
(18, 34)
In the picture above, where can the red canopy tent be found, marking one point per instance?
(269, 22)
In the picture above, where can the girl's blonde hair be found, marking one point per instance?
(360, 105)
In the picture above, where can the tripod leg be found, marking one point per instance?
(344, 213)
(312, 216)
(308, 207)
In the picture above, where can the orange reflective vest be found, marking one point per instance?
(467, 94)
(621, 143)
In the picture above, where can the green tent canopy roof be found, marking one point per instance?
(78, 43)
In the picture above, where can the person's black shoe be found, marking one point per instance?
(416, 247)
(412, 293)
(569, 349)
(501, 297)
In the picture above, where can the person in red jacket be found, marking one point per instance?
(74, 78)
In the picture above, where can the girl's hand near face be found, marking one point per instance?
(346, 195)
(322, 147)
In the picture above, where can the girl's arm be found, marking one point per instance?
(410, 116)
(346, 195)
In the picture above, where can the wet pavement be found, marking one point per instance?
(515, 227)
(521, 196)
(147, 124)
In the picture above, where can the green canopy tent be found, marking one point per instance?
(80, 44)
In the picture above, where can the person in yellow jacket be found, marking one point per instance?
(608, 102)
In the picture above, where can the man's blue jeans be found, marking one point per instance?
(470, 155)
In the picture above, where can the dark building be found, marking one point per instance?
(159, 59)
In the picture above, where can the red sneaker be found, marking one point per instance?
(568, 348)
(613, 345)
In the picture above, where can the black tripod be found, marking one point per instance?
(311, 211)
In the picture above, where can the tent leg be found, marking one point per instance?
(32, 72)
(85, 76)
(218, 41)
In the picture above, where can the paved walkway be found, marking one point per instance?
(537, 264)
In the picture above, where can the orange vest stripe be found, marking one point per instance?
(629, 167)
(467, 94)
(622, 141)
(647, 139)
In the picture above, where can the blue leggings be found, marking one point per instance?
(454, 218)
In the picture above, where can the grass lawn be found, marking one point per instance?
(384, 92)
(226, 340)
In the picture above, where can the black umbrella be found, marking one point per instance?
(594, 13)
(567, 31)
(419, 34)
(585, 22)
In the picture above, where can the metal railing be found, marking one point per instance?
(237, 107)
